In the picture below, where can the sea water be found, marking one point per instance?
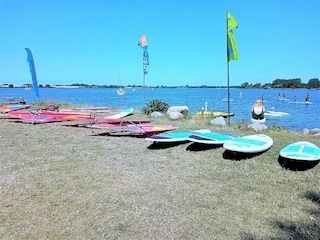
(301, 115)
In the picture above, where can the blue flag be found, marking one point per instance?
(33, 72)
(145, 61)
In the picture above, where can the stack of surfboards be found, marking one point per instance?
(301, 151)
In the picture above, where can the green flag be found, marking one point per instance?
(231, 43)
(232, 47)
(232, 22)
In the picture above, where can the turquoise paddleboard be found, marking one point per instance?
(301, 151)
(174, 136)
(249, 144)
(210, 138)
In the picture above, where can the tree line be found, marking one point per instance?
(313, 83)
(285, 83)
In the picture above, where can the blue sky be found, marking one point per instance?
(86, 41)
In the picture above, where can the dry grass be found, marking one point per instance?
(60, 182)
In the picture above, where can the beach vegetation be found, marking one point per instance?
(155, 105)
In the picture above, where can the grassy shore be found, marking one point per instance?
(59, 182)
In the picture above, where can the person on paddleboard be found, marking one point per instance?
(258, 110)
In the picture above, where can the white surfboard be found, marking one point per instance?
(122, 114)
(258, 120)
(277, 113)
(301, 151)
(174, 136)
(211, 138)
(301, 102)
(249, 144)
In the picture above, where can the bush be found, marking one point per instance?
(155, 105)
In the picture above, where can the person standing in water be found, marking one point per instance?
(307, 97)
(258, 110)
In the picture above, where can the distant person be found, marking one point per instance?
(279, 96)
(295, 98)
(258, 110)
(283, 95)
(307, 97)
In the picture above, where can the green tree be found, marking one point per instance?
(314, 83)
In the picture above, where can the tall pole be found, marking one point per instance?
(228, 70)
(144, 86)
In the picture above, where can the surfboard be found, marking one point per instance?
(301, 151)
(214, 114)
(134, 129)
(276, 112)
(249, 144)
(14, 107)
(283, 99)
(122, 114)
(174, 136)
(258, 120)
(211, 138)
(301, 102)
(273, 114)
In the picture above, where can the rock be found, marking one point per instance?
(175, 115)
(316, 134)
(305, 131)
(314, 131)
(156, 114)
(180, 109)
(219, 121)
(258, 127)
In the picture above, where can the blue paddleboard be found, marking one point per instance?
(174, 136)
(301, 151)
(211, 138)
(249, 144)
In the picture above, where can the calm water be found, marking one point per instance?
(301, 115)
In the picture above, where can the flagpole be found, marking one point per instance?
(144, 87)
(228, 68)
(144, 78)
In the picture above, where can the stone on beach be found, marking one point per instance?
(180, 109)
(157, 114)
(219, 121)
(175, 115)
(258, 127)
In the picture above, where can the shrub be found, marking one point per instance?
(155, 105)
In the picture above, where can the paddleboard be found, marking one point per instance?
(277, 113)
(211, 138)
(122, 114)
(273, 114)
(249, 144)
(258, 120)
(174, 136)
(283, 99)
(301, 102)
(136, 129)
(214, 114)
(301, 151)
